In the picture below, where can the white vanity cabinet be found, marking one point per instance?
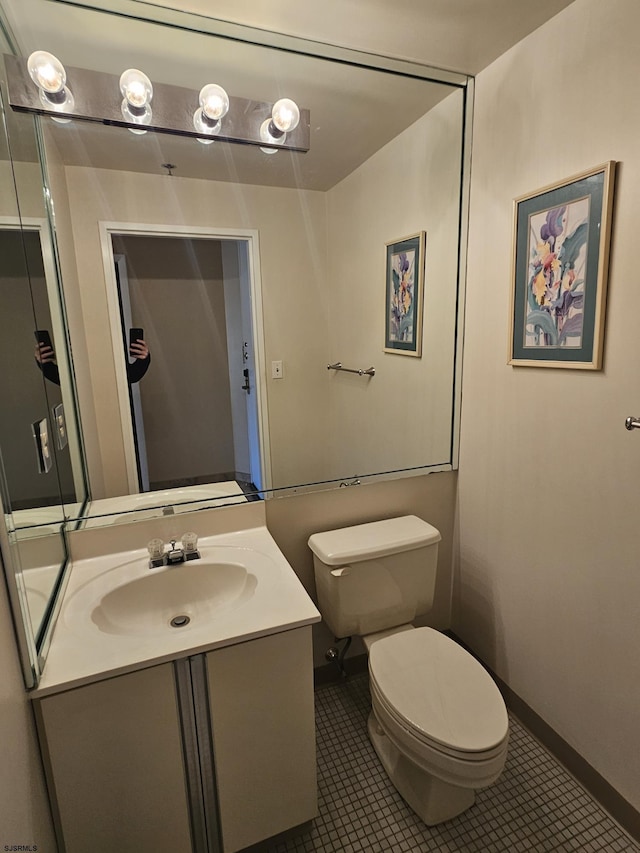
(262, 714)
(122, 754)
(113, 760)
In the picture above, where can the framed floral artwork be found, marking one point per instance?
(560, 262)
(404, 293)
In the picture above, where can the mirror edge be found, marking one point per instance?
(463, 247)
(30, 662)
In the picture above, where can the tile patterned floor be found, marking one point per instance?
(535, 805)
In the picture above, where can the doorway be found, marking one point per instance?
(194, 417)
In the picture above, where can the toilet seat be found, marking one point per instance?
(438, 695)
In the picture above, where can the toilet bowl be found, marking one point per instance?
(438, 722)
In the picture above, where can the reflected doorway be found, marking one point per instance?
(194, 414)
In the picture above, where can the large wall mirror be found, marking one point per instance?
(41, 469)
(246, 273)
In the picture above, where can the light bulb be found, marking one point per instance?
(68, 105)
(203, 124)
(49, 75)
(265, 136)
(137, 93)
(136, 115)
(214, 101)
(47, 72)
(136, 88)
(285, 115)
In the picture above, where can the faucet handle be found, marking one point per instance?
(190, 546)
(156, 549)
(156, 553)
(190, 542)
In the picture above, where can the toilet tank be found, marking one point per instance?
(375, 576)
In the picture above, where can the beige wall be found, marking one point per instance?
(402, 417)
(293, 293)
(28, 185)
(73, 308)
(548, 581)
(24, 809)
(293, 519)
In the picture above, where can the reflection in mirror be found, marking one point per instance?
(30, 488)
(309, 232)
(27, 426)
(42, 474)
(182, 300)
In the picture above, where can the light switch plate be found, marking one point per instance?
(40, 432)
(60, 426)
(277, 370)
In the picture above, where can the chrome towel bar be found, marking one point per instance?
(370, 371)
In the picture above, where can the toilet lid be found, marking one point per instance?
(439, 690)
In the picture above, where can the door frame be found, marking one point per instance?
(248, 236)
(122, 282)
(40, 225)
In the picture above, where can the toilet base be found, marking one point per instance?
(433, 800)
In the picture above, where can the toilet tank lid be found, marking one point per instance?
(374, 539)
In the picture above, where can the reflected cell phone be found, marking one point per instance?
(43, 337)
(135, 335)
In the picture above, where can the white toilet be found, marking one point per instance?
(438, 722)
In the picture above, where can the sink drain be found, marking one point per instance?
(180, 621)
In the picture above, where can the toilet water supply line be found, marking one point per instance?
(336, 656)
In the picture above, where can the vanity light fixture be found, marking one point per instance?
(218, 115)
(48, 73)
(285, 117)
(137, 93)
(214, 105)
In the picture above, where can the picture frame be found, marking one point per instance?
(561, 239)
(404, 294)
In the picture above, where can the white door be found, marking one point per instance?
(242, 366)
(244, 326)
(136, 404)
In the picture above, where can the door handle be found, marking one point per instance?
(246, 386)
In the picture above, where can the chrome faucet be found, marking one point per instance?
(188, 550)
(175, 554)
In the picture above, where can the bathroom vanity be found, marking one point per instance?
(199, 737)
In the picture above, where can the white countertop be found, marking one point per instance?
(82, 653)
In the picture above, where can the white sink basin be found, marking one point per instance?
(174, 597)
(116, 613)
(132, 600)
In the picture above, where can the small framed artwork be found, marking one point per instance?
(404, 293)
(560, 262)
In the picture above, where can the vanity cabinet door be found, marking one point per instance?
(114, 765)
(262, 716)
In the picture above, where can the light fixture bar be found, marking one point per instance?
(98, 99)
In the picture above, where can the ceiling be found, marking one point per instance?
(460, 35)
(354, 110)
